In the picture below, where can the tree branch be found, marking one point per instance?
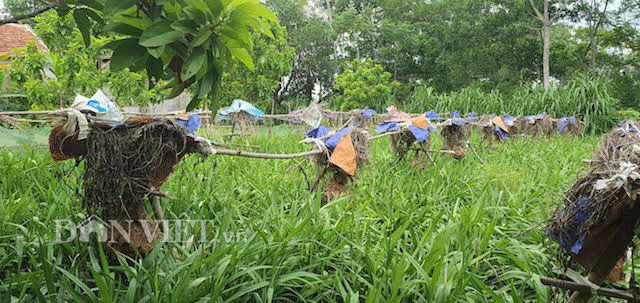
(597, 24)
(538, 14)
(27, 16)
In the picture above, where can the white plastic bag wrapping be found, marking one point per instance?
(100, 105)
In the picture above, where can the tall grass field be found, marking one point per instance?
(585, 98)
(460, 231)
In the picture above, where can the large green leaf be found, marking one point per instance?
(94, 14)
(112, 44)
(127, 53)
(154, 71)
(124, 29)
(257, 9)
(265, 28)
(233, 4)
(195, 61)
(159, 34)
(206, 84)
(215, 6)
(242, 38)
(83, 23)
(197, 15)
(201, 38)
(202, 7)
(185, 26)
(156, 52)
(92, 4)
(195, 102)
(114, 6)
(140, 22)
(243, 56)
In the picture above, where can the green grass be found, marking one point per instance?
(472, 235)
(16, 139)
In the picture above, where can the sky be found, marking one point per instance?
(2, 8)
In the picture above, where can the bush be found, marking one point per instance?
(628, 114)
(364, 84)
(586, 98)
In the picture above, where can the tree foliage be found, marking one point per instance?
(186, 42)
(364, 84)
(72, 69)
(272, 63)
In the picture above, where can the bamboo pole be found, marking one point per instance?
(584, 288)
(240, 153)
(34, 112)
(62, 111)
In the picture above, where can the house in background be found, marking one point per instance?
(13, 36)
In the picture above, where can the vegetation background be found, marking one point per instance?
(460, 231)
(458, 55)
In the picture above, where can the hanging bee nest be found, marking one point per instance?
(518, 126)
(349, 154)
(494, 129)
(538, 126)
(364, 118)
(596, 222)
(245, 122)
(621, 144)
(486, 128)
(568, 126)
(489, 133)
(126, 163)
(405, 141)
(358, 119)
(455, 138)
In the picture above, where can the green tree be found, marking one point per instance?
(364, 83)
(316, 62)
(273, 62)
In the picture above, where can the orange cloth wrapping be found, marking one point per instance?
(344, 155)
(497, 121)
(420, 122)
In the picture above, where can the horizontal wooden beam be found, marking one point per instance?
(600, 291)
(239, 153)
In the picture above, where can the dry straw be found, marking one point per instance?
(404, 141)
(539, 127)
(339, 179)
(125, 164)
(456, 138)
(601, 206)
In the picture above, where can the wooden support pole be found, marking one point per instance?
(157, 211)
(35, 112)
(474, 152)
(63, 111)
(240, 153)
(584, 288)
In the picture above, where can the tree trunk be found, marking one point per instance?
(546, 46)
(594, 52)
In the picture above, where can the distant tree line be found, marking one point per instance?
(335, 49)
